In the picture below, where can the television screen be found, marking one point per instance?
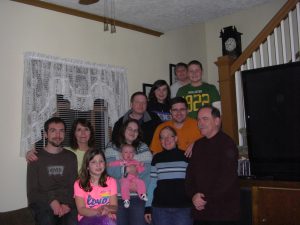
(272, 108)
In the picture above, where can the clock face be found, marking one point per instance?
(230, 44)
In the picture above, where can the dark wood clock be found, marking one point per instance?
(231, 41)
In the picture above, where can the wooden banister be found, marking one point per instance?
(227, 91)
(262, 36)
(228, 66)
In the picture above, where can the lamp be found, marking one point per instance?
(112, 18)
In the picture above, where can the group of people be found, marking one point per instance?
(168, 162)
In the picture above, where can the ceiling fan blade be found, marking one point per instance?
(87, 2)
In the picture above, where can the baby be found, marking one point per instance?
(128, 180)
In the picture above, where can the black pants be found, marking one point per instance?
(43, 215)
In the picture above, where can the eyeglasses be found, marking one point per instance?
(132, 130)
(178, 110)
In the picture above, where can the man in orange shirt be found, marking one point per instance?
(186, 127)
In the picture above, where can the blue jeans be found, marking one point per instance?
(43, 215)
(134, 215)
(171, 216)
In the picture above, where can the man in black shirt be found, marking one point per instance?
(211, 177)
(50, 179)
(147, 120)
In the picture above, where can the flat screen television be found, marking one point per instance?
(272, 113)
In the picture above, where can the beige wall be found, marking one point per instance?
(26, 28)
(249, 22)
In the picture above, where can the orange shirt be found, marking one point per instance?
(186, 135)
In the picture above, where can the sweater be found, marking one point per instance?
(212, 170)
(167, 185)
(187, 134)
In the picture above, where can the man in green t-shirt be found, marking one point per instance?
(198, 93)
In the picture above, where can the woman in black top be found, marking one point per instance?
(159, 100)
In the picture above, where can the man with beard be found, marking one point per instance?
(185, 127)
(50, 179)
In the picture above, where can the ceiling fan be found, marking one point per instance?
(87, 2)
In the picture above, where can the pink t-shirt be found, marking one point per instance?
(98, 196)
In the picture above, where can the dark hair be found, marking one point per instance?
(54, 120)
(215, 112)
(178, 99)
(180, 64)
(86, 123)
(136, 94)
(168, 128)
(195, 62)
(121, 138)
(158, 84)
(84, 174)
(128, 145)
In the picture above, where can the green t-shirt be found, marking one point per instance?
(196, 97)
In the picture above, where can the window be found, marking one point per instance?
(98, 117)
(89, 90)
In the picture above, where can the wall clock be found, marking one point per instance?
(231, 41)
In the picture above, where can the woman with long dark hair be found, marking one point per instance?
(159, 100)
(130, 133)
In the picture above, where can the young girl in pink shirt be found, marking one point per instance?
(95, 192)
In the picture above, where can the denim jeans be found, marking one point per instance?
(215, 222)
(134, 215)
(43, 215)
(171, 216)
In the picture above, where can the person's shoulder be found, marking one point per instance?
(69, 153)
(111, 150)
(164, 124)
(110, 180)
(153, 116)
(142, 147)
(226, 138)
(120, 120)
(76, 183)
(184, 88)
(205, 84)
(190, 120)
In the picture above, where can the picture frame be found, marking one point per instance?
(173, 78)
(147, 88)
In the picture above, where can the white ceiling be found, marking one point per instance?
(164, 15)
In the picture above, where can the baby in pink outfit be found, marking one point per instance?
(129, 179)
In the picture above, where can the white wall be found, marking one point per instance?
(26, 28)
(249, 22)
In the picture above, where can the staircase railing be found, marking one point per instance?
(277, 43)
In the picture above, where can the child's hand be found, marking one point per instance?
(131, 169)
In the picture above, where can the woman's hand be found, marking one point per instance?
(31, 155)
(148, 218)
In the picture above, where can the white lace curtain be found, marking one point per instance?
(79, 82)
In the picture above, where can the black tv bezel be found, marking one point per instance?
(270, 168)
